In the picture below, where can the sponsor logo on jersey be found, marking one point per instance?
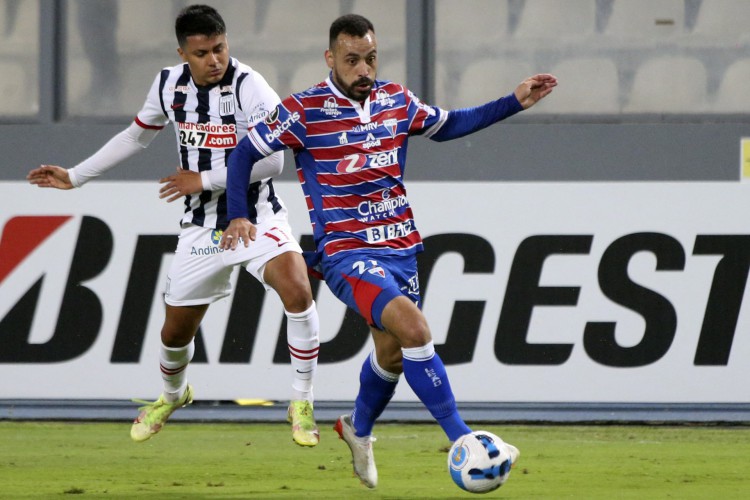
(374, 210)
(371, 141)
(366, 127)
(183, 89)
(226, 105)
(212, 248)
(272, 116)
(282, 127)
(370, 266)
(343, 139)
(379, 234)
(356, 162)
(351, 163)
(205, 251)
(384, 99)
(413, 285)
(422, 105)
(377, 271)
(383, 159)
(391, 124)
(256, 117)
(330, 107)
(258, 112)
(207, 135)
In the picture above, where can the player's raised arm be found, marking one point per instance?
(119, 148)
(464, 121)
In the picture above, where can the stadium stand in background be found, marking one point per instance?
(616, 48)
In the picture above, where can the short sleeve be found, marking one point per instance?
(152, 114)
(257, 98)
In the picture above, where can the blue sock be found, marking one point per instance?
(376, 388)
(425, 374)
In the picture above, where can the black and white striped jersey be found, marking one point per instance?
(209, 122)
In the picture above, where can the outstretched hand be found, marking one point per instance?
(50, 176)
(238, 229)
(183, 183)
(535, 88)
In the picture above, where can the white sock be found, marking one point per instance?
(302, 337)
(173, 362)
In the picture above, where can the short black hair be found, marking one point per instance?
(349, 24)
(198, 20)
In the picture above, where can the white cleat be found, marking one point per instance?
(513, 452)
(361, 447)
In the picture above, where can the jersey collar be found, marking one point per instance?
(363, 110)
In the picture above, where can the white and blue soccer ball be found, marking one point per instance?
(479, 462)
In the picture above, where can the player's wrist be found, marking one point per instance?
(72, 178)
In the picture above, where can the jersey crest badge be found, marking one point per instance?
(226, 105)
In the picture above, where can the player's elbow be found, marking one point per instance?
(276, 161)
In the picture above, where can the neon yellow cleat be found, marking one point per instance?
(153, 416)
(304, 430)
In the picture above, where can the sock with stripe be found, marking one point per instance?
(376, 388)
(425, 373)
(302, 334)
(173, 362)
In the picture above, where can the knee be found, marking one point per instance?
(403, 319)
(175, 338)
(414, 333)
(297, 297)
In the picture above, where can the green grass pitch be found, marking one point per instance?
(192, 461)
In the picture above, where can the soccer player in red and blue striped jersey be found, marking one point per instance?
(349, 135)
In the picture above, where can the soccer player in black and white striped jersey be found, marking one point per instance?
(212, 99)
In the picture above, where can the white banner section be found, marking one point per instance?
(545, 292)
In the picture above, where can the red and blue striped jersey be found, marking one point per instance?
(351, 159)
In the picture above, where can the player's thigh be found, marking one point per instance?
(273, 239)
(366, 283)
(403, 319)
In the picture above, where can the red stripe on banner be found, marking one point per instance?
(21, 235)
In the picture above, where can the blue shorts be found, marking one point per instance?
(366, 281)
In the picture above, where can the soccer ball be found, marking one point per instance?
(479, 462)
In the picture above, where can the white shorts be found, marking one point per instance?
(200, 271)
